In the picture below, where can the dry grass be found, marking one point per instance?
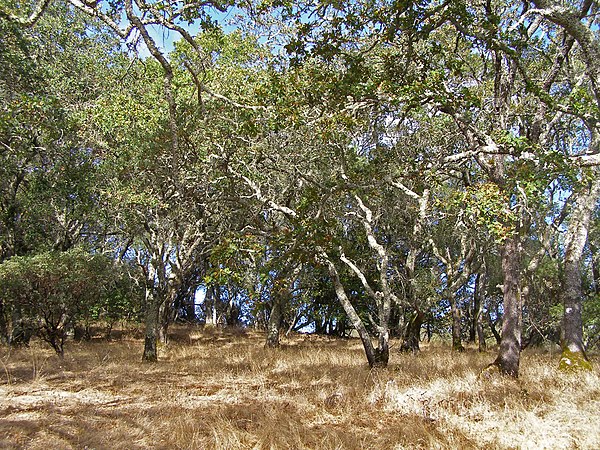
(223, 390)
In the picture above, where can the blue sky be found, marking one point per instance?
(164, 38)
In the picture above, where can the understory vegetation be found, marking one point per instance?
(221, 389)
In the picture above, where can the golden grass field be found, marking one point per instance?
(220, 389)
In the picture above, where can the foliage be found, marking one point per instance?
(402, 144)
(54, 291)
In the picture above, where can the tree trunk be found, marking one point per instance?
(210, 304)
(375, 357)
(478, 302)
(492, 325)
(456, 332)
(595, 267)
(56, 339)
(152, 325)
(382, 352)
(472, 322)
(275, 320)
(573, 351)
(164, 314)
(510, 346)
(82, 332)
(4, 335)
(190, 309)
(396, 321)
(412, 333)
(22, 329)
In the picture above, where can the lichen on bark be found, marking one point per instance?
(571, 361)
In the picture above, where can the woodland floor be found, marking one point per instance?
(219, 389)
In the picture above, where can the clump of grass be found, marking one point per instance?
(219, 389)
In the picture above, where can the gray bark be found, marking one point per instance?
(282, 288)
(412, 332)
(275, 320)
(572, 292)
(164, 320)
(457, 273)
(510, 346)
(571, 21)
(210, 305)
(376, 357)
(154, 298)
(478, 303)
(456, 327)
(151, 333)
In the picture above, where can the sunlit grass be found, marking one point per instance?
(221, 389)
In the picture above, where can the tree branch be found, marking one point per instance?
(30, 21)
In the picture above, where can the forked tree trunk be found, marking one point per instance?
(573, 352)
(510, 346)
(412, 333)
(376, 357)
(492, 325)
(457, 274)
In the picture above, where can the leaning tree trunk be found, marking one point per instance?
(376, 357)
(573, 352)
(510, 346)
(492, 325)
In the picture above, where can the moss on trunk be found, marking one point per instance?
(571, 361)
